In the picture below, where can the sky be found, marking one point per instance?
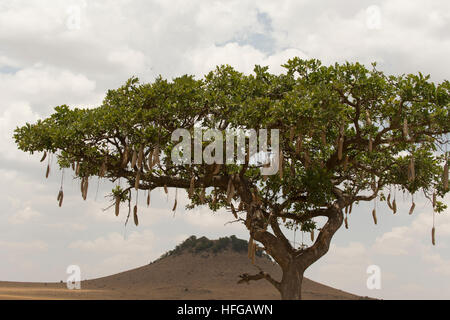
(72, 52)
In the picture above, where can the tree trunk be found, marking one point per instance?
(293, 261)
(291, 283)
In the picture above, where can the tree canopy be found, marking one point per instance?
(348, 133)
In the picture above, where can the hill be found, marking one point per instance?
(196, 269)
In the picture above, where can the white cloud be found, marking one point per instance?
(242, 57)
(136, 242)
(44, 85)
(343, 267)
(66, 226)
(331, 31)
(23, 216)
(402, 240)
(15, 114)
(115, 252)
(396, 242)
(35, 245)
(131, 60)
(7, 62)
(439, 265)
(206, 219)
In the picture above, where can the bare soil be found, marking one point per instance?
(186, 276)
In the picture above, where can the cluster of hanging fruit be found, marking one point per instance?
(348, 211)
(139, 163)
(191, 191)
(304, 153)
(136, 161)
(411, 174)
(434, 201)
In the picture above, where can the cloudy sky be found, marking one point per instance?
(71, 52)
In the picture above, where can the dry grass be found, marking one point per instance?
(189, 276)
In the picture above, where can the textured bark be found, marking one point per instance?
(294, 262)
(291, 282)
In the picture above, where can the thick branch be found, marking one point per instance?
(310, 255)
(274, 246)
(305, 216)
(246, 278)
(276, 229)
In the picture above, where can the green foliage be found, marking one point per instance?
(310, 101)
(118, 192)
(199, 245)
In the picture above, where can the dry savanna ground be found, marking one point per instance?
(186, 275)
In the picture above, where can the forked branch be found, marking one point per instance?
(246, 278)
